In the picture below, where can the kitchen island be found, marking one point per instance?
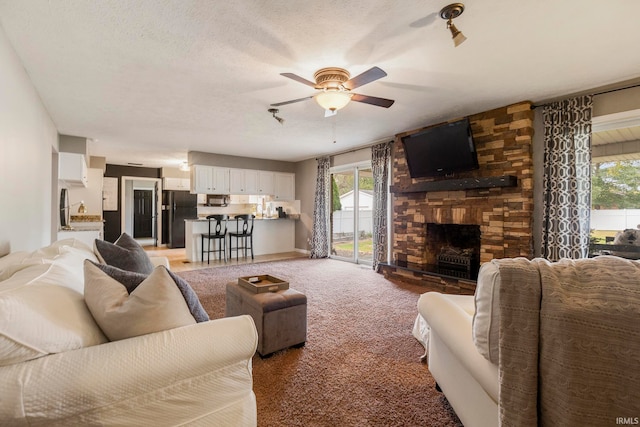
(270, 236)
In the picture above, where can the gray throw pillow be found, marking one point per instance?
(130, 280)
(125, 253)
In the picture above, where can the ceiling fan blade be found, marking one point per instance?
(368, 76)
(298, 79)
(379, 102)
(278, 104)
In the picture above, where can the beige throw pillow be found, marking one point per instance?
(155, 305)
(486, 319)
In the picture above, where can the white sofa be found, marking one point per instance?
(58, 369)
(540, 343)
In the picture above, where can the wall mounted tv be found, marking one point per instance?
(441, 150)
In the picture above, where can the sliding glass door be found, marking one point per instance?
(351, 213)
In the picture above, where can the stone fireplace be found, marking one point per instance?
(491, 207)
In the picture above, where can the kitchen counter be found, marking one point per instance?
(270, 236)
(86, 236)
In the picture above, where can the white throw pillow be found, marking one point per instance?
(11, 263)
(39, 317)
(486, 319)
(155, 305)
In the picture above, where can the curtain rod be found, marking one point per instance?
(533, 107)
(353, 150)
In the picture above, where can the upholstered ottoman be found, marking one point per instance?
(280, 317)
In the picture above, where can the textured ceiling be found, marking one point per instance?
(149, 80)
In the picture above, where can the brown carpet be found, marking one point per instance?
(360, 365)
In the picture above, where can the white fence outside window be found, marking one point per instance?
(343, 222)
(615, 219)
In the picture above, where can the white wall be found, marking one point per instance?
(28, 139)
(91, 195)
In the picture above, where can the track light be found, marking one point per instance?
(275, 111)
(449, 13)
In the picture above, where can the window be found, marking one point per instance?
(615, 175)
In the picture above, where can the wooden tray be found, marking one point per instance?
(265, 283)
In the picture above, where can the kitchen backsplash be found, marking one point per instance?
(261, 206)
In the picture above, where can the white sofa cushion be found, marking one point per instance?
(486, 319)
(42, 309)
(44, 314)
(156, 304)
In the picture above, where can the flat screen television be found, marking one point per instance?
(441, 150)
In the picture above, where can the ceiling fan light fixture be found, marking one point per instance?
(333, 99)
(449, 13)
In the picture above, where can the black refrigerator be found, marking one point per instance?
(178, 206)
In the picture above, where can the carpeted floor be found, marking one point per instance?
(360, 365)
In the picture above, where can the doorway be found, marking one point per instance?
(351, 219)
(142, 213)
(140, 209)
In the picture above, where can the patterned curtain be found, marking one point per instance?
(380, 160)
(567, 178)
(319, 241)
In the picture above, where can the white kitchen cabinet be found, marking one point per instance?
(201, 179)
(266, 183)
(210, 180)
(236, 181)
(284, 186)
(220, 180)
(72, 169)
(85, 236)
(251, 181)
(243, 181)
(176, 184)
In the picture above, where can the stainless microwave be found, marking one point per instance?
(217, 200)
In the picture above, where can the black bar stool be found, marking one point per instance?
(217, 233)
(243, 233)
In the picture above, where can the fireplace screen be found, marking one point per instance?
(454, 249)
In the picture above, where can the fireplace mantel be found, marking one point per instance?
(458, 184)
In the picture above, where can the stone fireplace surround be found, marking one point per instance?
(504, 212)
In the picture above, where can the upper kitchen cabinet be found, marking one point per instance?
(243, 181)
(176, 184)
(284, 186)
(266, 183)
(72, 169)
(209, 180)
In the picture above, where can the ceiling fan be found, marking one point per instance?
(335, 86)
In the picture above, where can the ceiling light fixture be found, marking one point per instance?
(275, 111)
(333, 99)
(449, 13)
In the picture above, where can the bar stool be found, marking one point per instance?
(218, 233)
(243, 233)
